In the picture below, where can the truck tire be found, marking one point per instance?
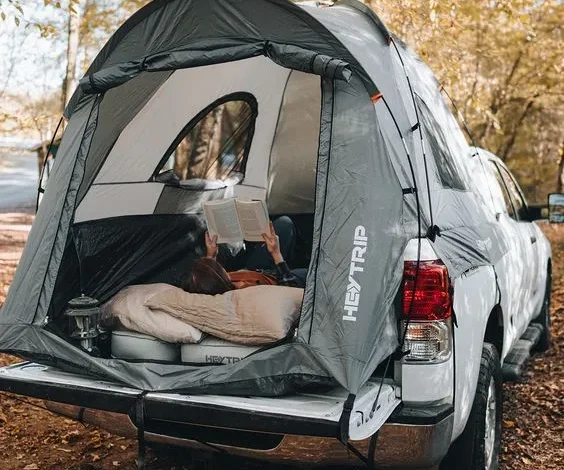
(544, 319)
(478, 447)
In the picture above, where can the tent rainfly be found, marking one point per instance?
(323, 121)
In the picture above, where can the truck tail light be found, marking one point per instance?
(432, 296)
(427, 311)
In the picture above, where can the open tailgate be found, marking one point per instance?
(300, 414)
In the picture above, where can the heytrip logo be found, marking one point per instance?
(352, 296)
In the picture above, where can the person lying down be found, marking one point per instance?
(264, 265)
(247, 307)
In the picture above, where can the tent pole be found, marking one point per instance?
(432, 230)
(40, 189)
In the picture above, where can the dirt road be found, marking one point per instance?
(34, 439)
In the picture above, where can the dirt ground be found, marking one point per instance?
(32, 438)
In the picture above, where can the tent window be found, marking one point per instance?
(215, 144)
(436, 135)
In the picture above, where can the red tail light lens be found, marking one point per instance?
(432, 297)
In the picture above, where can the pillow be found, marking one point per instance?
(126, 310)
(254, 315)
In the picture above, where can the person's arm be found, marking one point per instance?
(211, 245)
(284, 276)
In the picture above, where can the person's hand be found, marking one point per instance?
(211, 245)
(272, 243)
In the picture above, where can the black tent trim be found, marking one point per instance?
(210, 52)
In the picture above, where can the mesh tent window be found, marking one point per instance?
(215, 144)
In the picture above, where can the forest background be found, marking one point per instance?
(500, 60)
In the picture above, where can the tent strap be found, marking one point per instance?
(344, 422)
(346, 417)
(140, 423)
(433, 232)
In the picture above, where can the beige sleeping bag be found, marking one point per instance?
(127, 310)
(254, 315)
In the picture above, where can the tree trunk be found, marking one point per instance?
(73, 27)
(560, 182)
(503, 152)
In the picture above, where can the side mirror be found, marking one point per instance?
(533, 212)
(556, 208)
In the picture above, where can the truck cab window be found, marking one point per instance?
(506, 197)
(515, 193)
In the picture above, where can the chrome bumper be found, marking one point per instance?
(399, 445)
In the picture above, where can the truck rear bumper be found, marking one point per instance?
(409, 441)
(303, 428)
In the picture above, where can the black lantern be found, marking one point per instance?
(83, 313)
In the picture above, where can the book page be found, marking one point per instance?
(253, 218)
(221, 218)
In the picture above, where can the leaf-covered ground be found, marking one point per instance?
(34, 439)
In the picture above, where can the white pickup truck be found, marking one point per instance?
(442, 402)
(331, 128)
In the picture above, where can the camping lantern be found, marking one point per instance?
(83, 313)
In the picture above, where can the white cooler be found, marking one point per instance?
(212, 350)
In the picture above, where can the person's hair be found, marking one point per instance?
(208, 277)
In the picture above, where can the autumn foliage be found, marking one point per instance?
(502, 63)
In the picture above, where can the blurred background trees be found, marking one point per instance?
(500, 60)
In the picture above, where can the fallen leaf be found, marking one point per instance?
(31, 466)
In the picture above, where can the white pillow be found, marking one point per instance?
(127, 310)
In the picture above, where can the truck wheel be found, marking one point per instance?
(544, 319)
(478, 447)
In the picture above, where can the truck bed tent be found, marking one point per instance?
(332, 127)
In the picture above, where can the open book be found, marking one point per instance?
(235, 220)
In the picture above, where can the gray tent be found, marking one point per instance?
(334, 129)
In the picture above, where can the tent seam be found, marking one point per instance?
(324, 207)
(280, 105)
